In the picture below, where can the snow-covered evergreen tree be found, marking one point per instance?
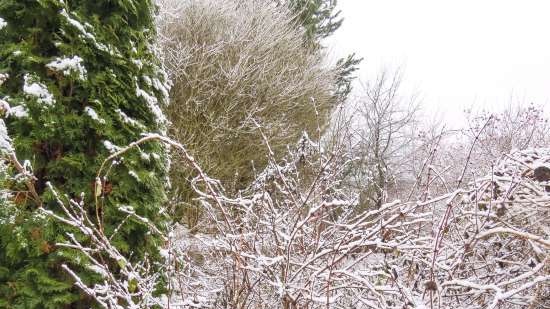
(78, 80)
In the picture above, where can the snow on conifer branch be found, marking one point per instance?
(69, 66)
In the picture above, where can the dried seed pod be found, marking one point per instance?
(430, 285)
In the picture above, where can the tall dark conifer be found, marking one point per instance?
(81, 80)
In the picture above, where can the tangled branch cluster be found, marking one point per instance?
(294, 240)
(235, 64)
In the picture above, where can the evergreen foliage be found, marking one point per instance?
(319, 20)
(80, 79)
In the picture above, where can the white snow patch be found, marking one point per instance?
(5, 140)
(153, 105)
(3, 78)
(162, 87)
(3, 23)
(147, 80)
(92, 113)
(164, 253)
(112, 148)
(135, 175)
(77, 25)
(127, 119)
(84, 32)
(126, 209)
(138, 63)
(145, 156)
(19, 111)
(4, 107)
(38, 90)
(68, 66)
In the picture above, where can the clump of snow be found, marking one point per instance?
(4, 107)
(145, 156)
(5, 140)
(3, 78)
(126, 208)
(3, 23)
(147, 80)
(138, 63)
(38, 90)
(92, 114)
(77, 25)
(112, 148)
(162, 87)
(85, 34)
(19, 111)
(164, 253)
(68, 66)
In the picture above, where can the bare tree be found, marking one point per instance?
(381, 137)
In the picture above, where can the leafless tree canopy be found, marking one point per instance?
(380, 138)
(238, 66)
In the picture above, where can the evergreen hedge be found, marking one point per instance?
(81, 80)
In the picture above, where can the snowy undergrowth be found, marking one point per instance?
(294, 240)
(291, 244)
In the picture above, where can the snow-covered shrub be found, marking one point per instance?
(294, 241)
(456, 157)
(236, 64)
(493, 245)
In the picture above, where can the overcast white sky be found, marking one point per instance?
(454, 53)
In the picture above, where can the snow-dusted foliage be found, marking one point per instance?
(83, 215)
(153, 105)
(92, 113)
(68, 69)
(492, 242)
(122, 282)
